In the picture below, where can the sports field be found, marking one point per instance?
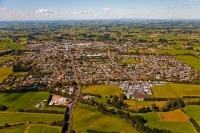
(87, 117)
(190, 60)
(28, 100)
(4, 72)
(104, 90)
(173, 90)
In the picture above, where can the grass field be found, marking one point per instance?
(130, 61)
(175, 127)
(15, 101)
(4, 72)
(175, 52)
(16, 117)
(173, 90)
(163, 92)
(190, 60)
(138, 104)
(42, 129)
(87, 117)
(104, 90)
(4, 58)
(193, 111)
(15, 129)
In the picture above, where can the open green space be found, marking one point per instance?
(104, 90)
(173, 90)
(6, 57)
(190, 60)
(175, 52)
(87, 117)
(17, 117)
(4, 72)
(193, 111)
(15, 101)
(43, 129)
(130, 61)
(14, 129)
(176, 127)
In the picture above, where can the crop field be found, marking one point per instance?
(87, 117)
(173, 90)
(15, 101)
(104, 90)
(173, 116)
(14, 129)
(193, 111)
(4, 72)
(42, 129)
(17, 117)
(153, 120)
(190, 60)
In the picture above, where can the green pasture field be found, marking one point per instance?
(4, 72)
(100, 100)
(193, 111)
(7, 43)
(28, 100)
(6, 57)
(190, 60)
(42, 129)
(175, 52)
(87, 117)
(138, 104)
(153, 120)
(17, 117)
(173, 90)
(104, 90)
(14, 129)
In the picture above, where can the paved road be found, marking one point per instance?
(72, 105)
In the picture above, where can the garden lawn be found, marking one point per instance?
(104, 90)
(190, 60)
(4, 72)
(87, 117)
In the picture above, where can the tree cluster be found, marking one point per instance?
(117, 102)
(94, 131)
(194, 102)
(2, 107)
(57, 123)
(173, 104)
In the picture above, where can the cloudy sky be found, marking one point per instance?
(98, 9)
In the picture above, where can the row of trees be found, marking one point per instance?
(195, 124)
(42, 111)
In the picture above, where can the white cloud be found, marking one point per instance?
(45, 12)
(107, 9)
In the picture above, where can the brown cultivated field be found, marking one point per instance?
(173, 116)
